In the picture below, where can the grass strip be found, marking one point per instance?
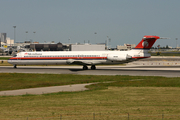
(144, 103)
(140, 97)
(4, 58)
(12, 81)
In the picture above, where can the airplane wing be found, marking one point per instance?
(78, 62)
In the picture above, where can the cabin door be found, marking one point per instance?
(18, 59)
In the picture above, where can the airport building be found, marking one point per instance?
(9, 42)
(47, 47)
(66, 47)
(2, 38)
(5, 41)
(87, 47)
(125, 47)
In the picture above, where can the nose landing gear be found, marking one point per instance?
(15, 66)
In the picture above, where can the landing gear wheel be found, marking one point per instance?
(85, 67)
(15, 66)
(93, 67)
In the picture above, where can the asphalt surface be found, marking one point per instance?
(166, 71)
(45, 90)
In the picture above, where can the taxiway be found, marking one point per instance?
(166, 71)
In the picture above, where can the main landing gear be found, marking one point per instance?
(93, 67)
(85, 67)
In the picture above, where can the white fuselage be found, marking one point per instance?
(78, 57)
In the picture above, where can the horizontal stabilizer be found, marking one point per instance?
(164, 38)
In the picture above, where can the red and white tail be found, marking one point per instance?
(147, 42)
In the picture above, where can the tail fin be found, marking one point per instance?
(147, 42)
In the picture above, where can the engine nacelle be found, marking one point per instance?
(116, 57)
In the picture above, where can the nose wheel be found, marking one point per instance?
(15, 66)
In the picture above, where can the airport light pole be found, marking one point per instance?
(34, 35)
(110, 43)
(14, 35)
(176, 42)
(95, 37)
(26, 35)
(108, 39)
(107, 42)
(69, 41)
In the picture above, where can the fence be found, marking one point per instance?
(102, 116)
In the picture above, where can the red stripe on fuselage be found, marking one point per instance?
(53, 58)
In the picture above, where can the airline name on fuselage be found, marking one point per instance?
(33, 54)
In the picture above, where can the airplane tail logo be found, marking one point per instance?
(147, 42)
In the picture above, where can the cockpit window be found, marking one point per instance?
(15, 56)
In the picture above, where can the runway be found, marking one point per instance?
(166, 71)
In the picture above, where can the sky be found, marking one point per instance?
(76, 21)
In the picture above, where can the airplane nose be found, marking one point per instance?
(9, 61)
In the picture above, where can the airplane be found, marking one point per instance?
(86, 58)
